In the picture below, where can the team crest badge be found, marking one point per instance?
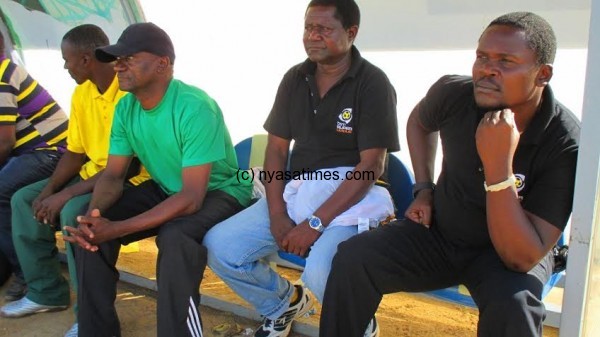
(344, 119)
(520, 181)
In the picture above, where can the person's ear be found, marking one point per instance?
(86, 59)
(544, 75)
(163, 63)
(352, 32)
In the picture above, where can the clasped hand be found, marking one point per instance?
(291, 238)
(92, 231)
(299, 240)
(47, 207)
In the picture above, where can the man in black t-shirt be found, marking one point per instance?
(501, 202)
(340, 110)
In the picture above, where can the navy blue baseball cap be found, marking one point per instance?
(136, 38)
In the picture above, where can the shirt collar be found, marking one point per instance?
(309, 67)
(540, 122)
(111, 91)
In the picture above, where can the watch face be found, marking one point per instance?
(314, 222)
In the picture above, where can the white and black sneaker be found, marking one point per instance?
(281, 326)
(372, 329)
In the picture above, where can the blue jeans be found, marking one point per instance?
(237, 245)
(15, 173)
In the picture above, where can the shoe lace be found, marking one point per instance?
(269, 323)
(281, 321)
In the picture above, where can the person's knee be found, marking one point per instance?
(213, 240)
(350, 253)
(169, 237)
(19, 199)
(69, 213)
(519, 308)
(315, 279)
(220, 248)
(6, 188)
(23, 228)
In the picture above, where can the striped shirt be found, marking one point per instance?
(40, 122)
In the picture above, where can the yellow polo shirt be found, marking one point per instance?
(90, 122)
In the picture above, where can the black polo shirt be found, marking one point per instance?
(357, 113)
(544, 162)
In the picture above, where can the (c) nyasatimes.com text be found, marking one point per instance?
(269, 176)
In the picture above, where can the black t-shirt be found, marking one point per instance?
(544, 162)
(357, 113)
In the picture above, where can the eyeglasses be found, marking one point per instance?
(125, 60)
(318, 29)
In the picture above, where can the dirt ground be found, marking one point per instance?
(136, 307)
(399, 315)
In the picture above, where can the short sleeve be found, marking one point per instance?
(8, 103)
(436, 106)
(74, 143)
(378, 124)
(278, 122)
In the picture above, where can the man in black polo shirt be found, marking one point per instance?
(341, 112)
(501, 202)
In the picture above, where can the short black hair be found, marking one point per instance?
(86, 37)
(538, 32)
(346, 11)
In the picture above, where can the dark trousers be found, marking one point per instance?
(180, 265)
(405, 256)
(18, 172)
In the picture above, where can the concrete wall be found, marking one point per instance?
(456, 24)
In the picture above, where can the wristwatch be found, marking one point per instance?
(315, 223)
(418, 187)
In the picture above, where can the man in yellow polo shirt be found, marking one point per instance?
(66, 193)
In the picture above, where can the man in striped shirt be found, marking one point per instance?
(33, 132)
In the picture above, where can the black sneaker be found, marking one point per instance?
(281, 326)
(16, 290)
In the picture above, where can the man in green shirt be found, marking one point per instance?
(178, 133)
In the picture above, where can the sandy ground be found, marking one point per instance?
(399, 315)
(137, 309)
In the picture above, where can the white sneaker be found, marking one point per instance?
(25, 307)
(74, 331)
(372, 329)
(281, 326)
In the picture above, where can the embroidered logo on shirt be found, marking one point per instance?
(344, 119)
(520, 182)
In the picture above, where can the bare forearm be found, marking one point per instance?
(5, 151)
(107, 190)
(512, 233)
(84, 186)
(68, 167)
(274, 163)
(422, 145)
(177, 205)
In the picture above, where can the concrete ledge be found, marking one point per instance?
(220, 304)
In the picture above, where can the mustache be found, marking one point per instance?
(488, 83)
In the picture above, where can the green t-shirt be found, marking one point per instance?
(185, 129)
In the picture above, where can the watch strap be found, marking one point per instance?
(418, 187)
(510, 181)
